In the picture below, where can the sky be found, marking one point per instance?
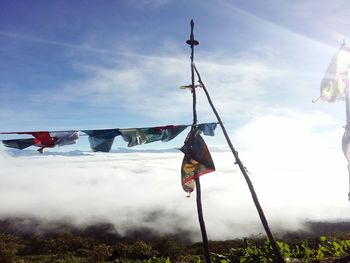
(118, 64)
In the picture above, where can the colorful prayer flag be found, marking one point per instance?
(19, 143)
(65, 137)
(196, 162)
(102, 140)
(208, 128)
(43, 139)
(169, 132)
(137, 136)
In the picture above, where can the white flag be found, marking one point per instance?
(335, 82)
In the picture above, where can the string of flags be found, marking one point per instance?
(196, 162)
(101, 140)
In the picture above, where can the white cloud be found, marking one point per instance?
(297, 163)
(151, 4)
(294, 130)
(149, 86)
(58, 43)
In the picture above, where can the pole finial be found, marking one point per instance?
(192, 42)
(192, 23)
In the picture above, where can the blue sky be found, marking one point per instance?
(107, 64)
(85, 65)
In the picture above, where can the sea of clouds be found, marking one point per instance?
(297, 176)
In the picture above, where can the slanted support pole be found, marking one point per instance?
(192, 42)
(279, 258)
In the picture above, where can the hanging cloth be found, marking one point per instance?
(19, 143)
(208, 128)
(196, 162)
(43, 139)
(102, 140)
(65, 137)
(169, 132)
(335, 82)
(137, 136)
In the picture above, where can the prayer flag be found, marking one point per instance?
(137, 136)
(43, 139)
(102, 140)
(19, 143)
(65, 137)
(208, 128)
(169, 132)
(335, 82)
(196, 162)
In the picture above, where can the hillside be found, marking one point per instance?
(29, 240)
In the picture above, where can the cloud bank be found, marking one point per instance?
(302, 178)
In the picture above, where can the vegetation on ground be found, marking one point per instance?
(76, 248)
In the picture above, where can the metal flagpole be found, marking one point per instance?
(279, 258)
(192, 42)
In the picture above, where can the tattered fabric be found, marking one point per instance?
(65, 137)
(41, 139)
(19, 143)
(102, 140)
(196, 162)
(335, 82)
(139, 136)
(208, 128)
